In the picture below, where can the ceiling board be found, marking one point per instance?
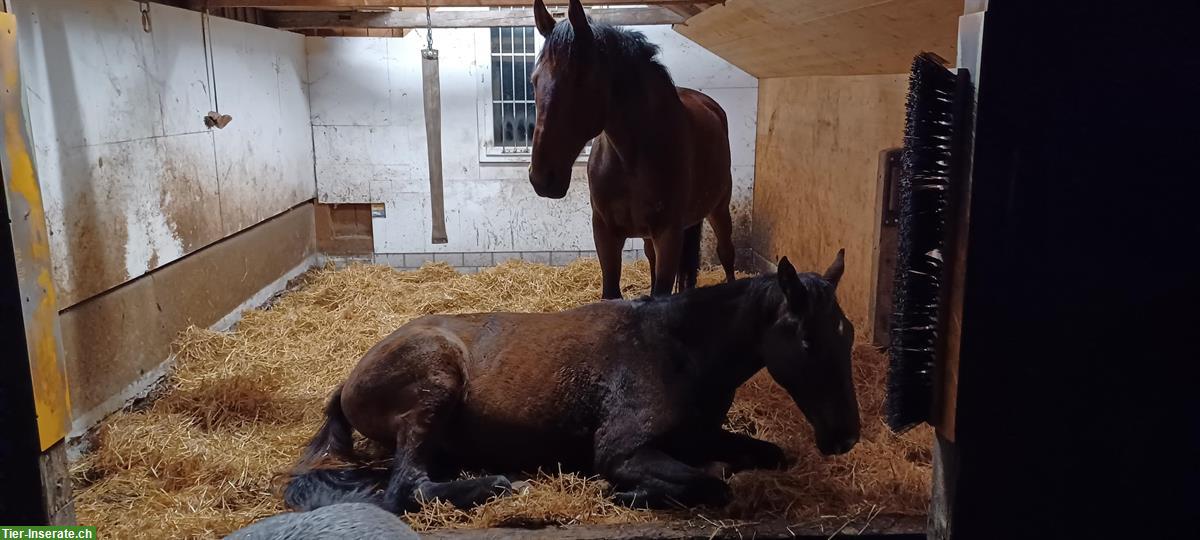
(786, 38)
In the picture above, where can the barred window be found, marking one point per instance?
(513, 54)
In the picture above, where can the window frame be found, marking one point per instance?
(489, 152)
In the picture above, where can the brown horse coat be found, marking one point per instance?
(660, 162)
(519, 391)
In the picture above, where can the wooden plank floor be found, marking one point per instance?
(881, 526)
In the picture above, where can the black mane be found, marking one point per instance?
(621, 47)
(753, 300)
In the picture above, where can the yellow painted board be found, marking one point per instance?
(32, 249)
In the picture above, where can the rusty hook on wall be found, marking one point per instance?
(146, 24)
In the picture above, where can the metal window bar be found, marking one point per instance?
(513, 107)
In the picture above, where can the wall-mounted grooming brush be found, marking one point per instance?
(935, 130)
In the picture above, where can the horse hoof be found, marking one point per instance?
(500, 486)
(466, 493)
(632, 499)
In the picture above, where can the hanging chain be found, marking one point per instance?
(428, 27)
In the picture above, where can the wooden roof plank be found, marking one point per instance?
(783, 38)
(455, 19)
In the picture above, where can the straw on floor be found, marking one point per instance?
(198, 460)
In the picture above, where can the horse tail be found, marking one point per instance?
(689, 261)
(321, 477)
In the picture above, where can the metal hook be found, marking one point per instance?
(146, 25)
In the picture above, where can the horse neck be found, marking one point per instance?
(720, 328)
(643, 105)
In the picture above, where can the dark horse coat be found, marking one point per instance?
(636, 391)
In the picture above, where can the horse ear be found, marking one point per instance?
(793, 290)
(834, 274)
(542, 18)
(583, 30)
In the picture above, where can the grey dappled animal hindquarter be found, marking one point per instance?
(347, 520)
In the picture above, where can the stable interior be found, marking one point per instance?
(214, 283)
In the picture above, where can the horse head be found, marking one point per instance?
(807, 352)
(570, 95)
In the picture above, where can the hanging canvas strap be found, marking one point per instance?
(433, 130)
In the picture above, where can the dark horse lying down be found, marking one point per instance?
(636, 391)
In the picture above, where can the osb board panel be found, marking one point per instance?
(344, 229)
(113, 339)
(110, 341)
(215, 281)
(816, 184)
(785, 38)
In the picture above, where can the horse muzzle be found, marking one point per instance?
(837, 446)
(552, 185)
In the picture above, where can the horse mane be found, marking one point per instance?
(621, 47)
(752, 293)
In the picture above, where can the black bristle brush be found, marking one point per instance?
(935, 109)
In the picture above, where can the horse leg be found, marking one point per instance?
(417, 436)
(409, 485)
(722, 225)
(668, 246)
(689, 258)
(608, 250)
(650, 477)
(649, 246)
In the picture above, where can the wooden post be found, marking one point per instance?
(945, 451)
(36, 407)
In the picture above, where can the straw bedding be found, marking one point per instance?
(198, 459)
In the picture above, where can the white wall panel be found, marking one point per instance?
(129, 172)
(368, 152)
(178, 69)
(264, 156)
(94, 53)
(349, 82)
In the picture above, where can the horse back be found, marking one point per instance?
(704, 108)
(710, 158)
(537, 383)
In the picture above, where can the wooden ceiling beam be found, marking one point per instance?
(685, 11)
(319, 4)
(455, 19)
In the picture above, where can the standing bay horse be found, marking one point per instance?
(636, 391)
(660, 161)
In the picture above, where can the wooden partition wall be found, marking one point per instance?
(832, 82)
(817, 185)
